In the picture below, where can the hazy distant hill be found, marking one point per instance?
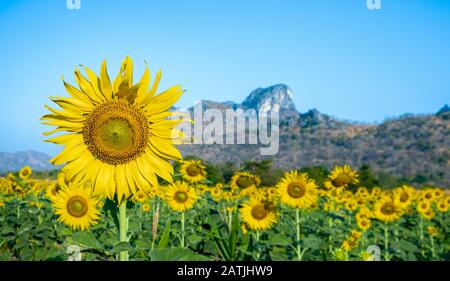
(413, 147)
(14, 161)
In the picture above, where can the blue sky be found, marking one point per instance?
(337, 56)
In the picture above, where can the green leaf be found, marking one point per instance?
(278, 254)
(278, 239)
(110, 208)
(165, 238)
(143, 245)
(312, 242)
(123, 246)
(85, 240)
(407, 246)
(176, 254)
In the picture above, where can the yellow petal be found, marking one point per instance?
(148, 97)
(95, 82)
(164, 101)
(164, 148)
(144, 84)
(105, 83)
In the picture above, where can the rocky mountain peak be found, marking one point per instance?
(278, 97)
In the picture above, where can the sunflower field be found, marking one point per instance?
(124, 192)
(241, 220)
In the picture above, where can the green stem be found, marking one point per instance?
(422, 251)
(433, 250)
(330, 237)
(258, 252)
(230, 219)
(18, 210)
(123, 223)
(182, 230)
(386, 243)
(140, 218)
(297, 224)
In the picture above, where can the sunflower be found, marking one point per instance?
(404, 195)
(25, 172)
(193, 171)
(258, 215)
(442, 205)
(376, 191)
(364, 224)
(243, 180)
(52, 191)
(297, 190)
(180, 196)
(423, 206)
(139, 196)
(145, 207)
(362, 192)
(76, 207)
(438, 193)
(432, 231)
(427, 214)
(387, 210)
(351, 204)
(119, 138)
(216, 192)
(427, 195)
(341, 176)
(364, 213)
(352, 240)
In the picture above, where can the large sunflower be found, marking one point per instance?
(341, 177)
(297, 190)
(118, 137)
(76, 207)
(386, 209)
(180, 196)
(193, 171)
(258, 215)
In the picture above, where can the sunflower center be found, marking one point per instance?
(180, 197)
(259, 212)
(428, 195)
(404, 197)
(116, 132)
(244, 182)
(193, 170)
(77, 206)
(296, 190)
(341, 180)
(25, 172)
(388, 209)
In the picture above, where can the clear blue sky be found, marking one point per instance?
(337, 56)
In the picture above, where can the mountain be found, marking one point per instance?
(11, 162)
(415, 147)
(276, 97)
(411, 147)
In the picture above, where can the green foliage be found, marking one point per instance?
(269, 174)
(366, 177)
